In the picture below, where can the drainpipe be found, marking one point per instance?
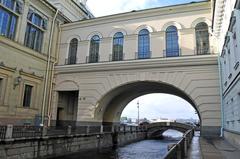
(221, 95)
(48, 65)
(51, 80)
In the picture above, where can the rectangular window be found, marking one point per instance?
(9, 12)
(36, 25)
(27, 96)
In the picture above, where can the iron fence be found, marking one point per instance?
(16, 132)
(3, 132)
(26, 131)
(178, 151)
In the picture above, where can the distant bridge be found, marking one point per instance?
(155, 130)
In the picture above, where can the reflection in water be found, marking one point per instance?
(146, 149)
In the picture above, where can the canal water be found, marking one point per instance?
(146, 149)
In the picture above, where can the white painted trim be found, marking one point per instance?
(116, 30)
(176, 24)
(149, 28)
(93, 34)
(199, 20)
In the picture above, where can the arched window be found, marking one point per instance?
(202, 38)
(117, 54)
(94, 49)
(172, 47)
(72, 54)
(143, 44)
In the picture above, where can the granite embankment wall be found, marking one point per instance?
(43, 147)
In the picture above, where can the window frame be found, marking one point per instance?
(94, 49)
(117, 46)
(31, 96)
(72, 56)
(39, 31)
(144, 44)
(202, 50)
(172, 42)
(15, 12)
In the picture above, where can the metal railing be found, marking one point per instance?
(70, 61)
(116, 57)
(204, 51)
(92, 58)
(179, 150)
(172, 53)
(17, 132)
(143, 55)
(3, 130)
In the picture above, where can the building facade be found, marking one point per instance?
(227, 30)
(75, 10)
(30, 32)
(106, 62)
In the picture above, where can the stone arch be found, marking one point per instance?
(176, 24)
(199, 20)
(67, 85)
(111, 105)
(114, 31)
(94, 33)
(72, 37)
(149, 28)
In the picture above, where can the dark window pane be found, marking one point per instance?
(94, 49)
(72, 56)
(117, 47)
(8, 22)
(172, 47)
(33, 37)
(202, 38)
(27, 96)
(143, 44)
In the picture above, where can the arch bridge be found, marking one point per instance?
(155, 130)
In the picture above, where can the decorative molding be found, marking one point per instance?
(31, 75)
(10, 69)
(139, 64)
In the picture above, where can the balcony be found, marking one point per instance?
(70, 61)
(172, 53)
(143, 55)
(116, 57)
(92, 58)
(95, 58)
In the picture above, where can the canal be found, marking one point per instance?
(146, 149)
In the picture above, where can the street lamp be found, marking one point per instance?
(138, 111)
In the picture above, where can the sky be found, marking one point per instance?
(153, 105)
(108, 7)
(158, 105)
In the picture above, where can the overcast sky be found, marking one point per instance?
(159, 105)
(153, 105)
(108, 7)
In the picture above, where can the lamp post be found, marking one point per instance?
(138, 111)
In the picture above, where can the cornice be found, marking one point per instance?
(10, 69)
(31, 75)
(24, 49)
(139, 64)
(161, 11)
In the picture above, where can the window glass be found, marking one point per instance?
(172, 47)
(143, 44)
(35, 31)
(202, 38)
(94, 49)
(117, 47)
(8, 18)
(27, 96)
(72, 51)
